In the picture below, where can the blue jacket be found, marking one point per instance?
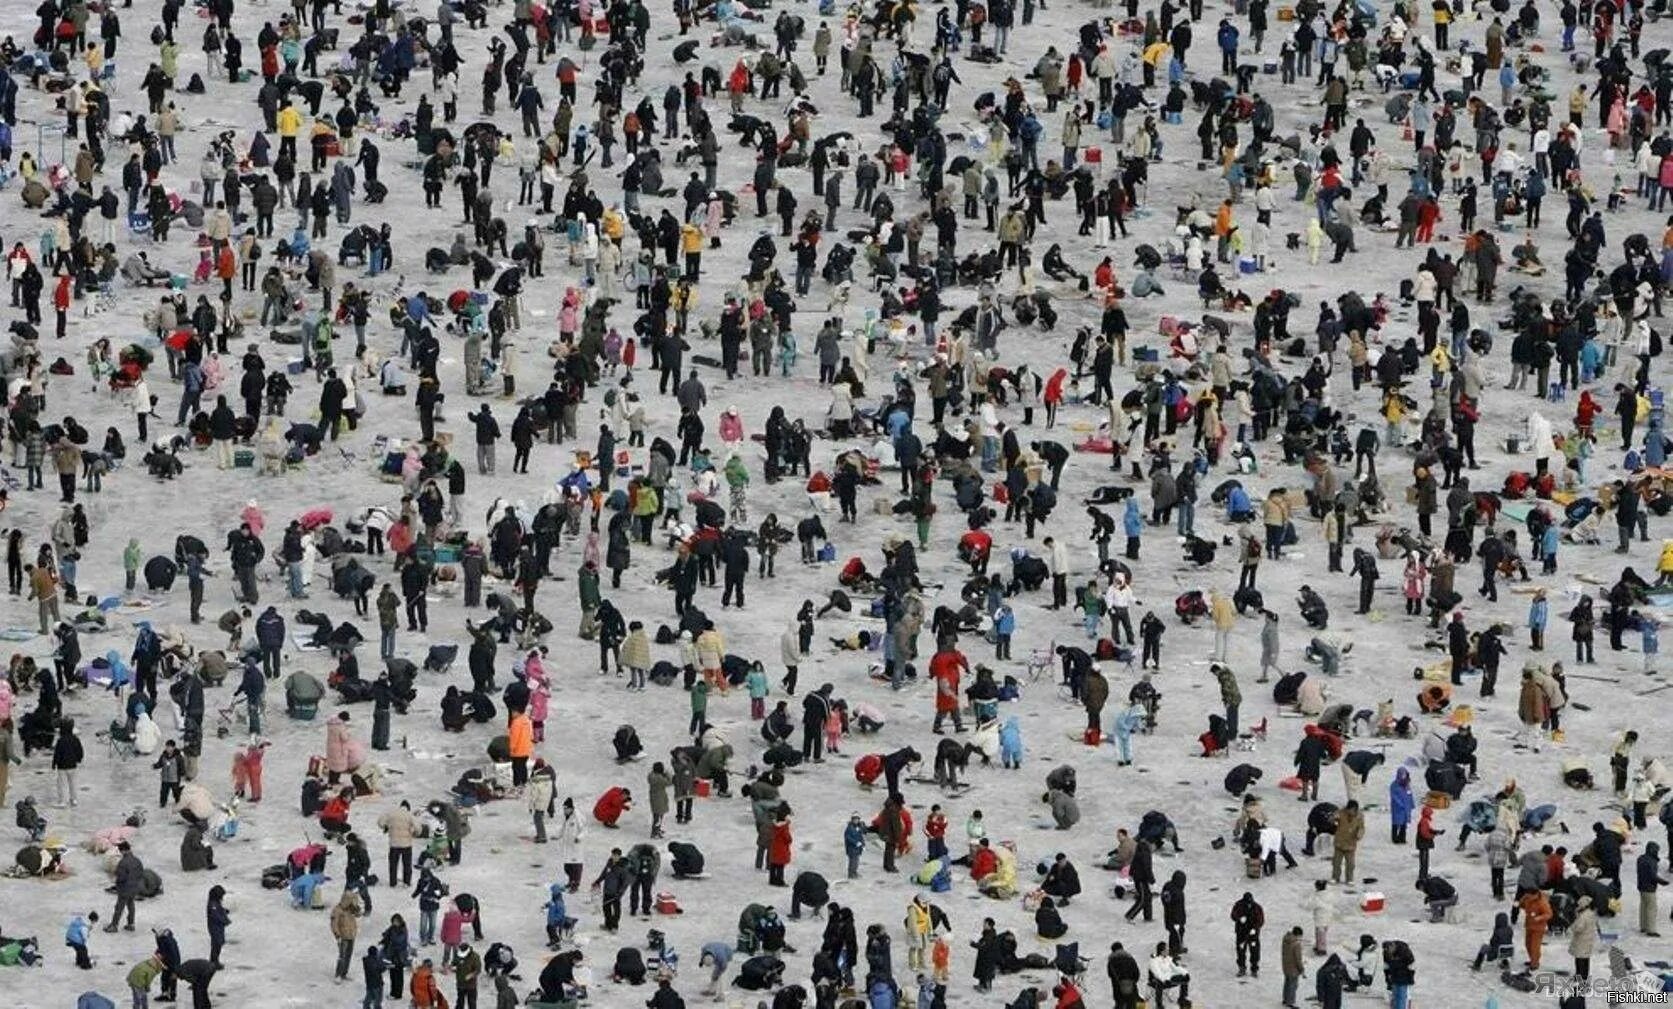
(556, 913)
(270, 629)
(719, 953)
(1010, 738)
(1005, 621)
(883, 994)
(1127, 723)
(76, 933)
(1237, 502)
(1539, 611)
(1481, 816)
(1132, 523)
(1400, 798)
(252, 685)
(854, 839)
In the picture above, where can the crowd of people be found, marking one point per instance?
(616, 198)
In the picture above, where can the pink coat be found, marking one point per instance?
(337, 747)
(569, 317)
(5, 699)
(252, 517)
(716, 215)
(731, 427)
(537, 703)
(1415, 575)
(453, 926)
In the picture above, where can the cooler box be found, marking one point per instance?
(1372, 903)
(701, 786)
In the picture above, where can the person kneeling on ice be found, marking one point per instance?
(302, 889)
(810, 889)
(611, 805)
(1065, 811)
(937, 874)
(1001, 883)
(685, 860)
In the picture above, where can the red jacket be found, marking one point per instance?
(868, 768)
(1054, 385)
(738, 81)
(983, 863)
(945, 668)
(778, 849)
(610, 807)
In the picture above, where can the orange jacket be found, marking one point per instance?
(426, 994)
(520, 736)
(1223, 221)
(1536, 910)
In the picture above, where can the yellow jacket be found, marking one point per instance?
(917, 919)
(289, 121)
(611, 225)
(1222, 612)
(691, 239)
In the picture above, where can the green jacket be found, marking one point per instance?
(699, 697)
(144, 973)
(389, 609)
(1229, 693)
